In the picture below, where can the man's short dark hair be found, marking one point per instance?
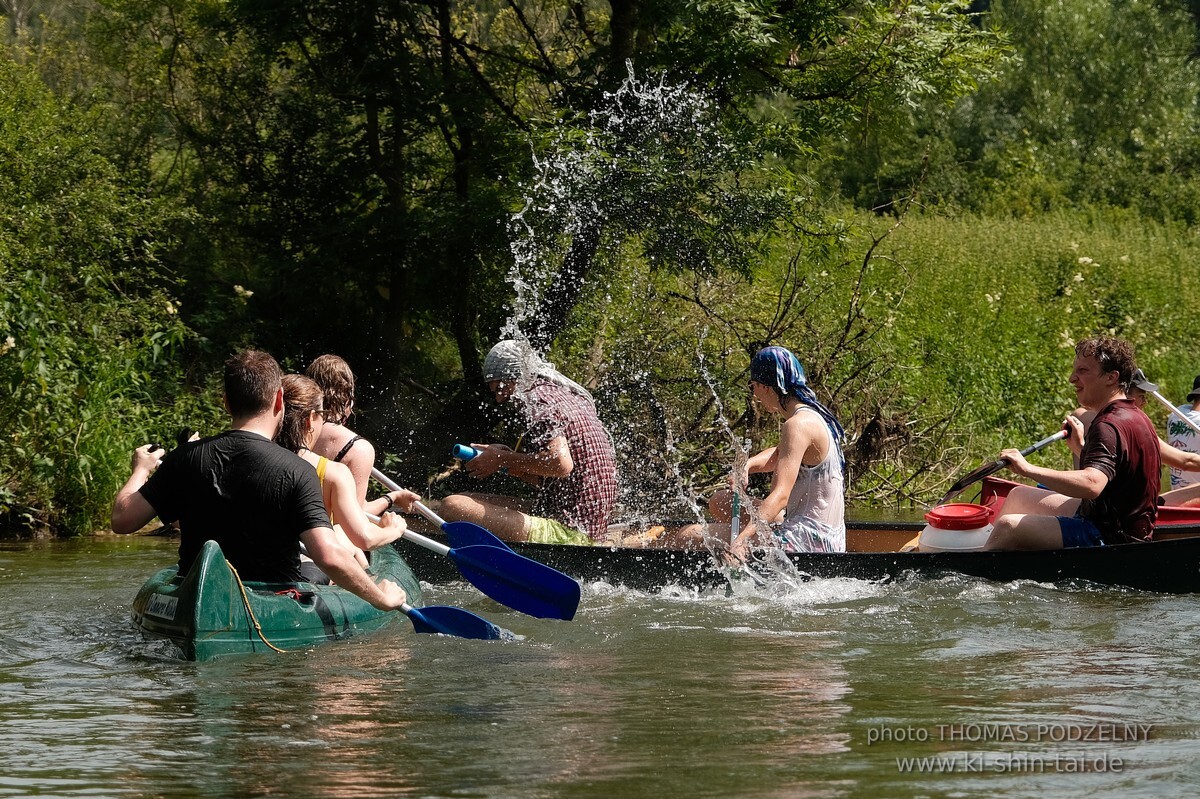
(1113, 355)
(251, 380)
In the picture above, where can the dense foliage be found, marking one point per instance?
(89, 327)
(1098, 108)
(649, 190)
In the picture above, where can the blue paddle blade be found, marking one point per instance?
(518, 582)
(469, 534)
(454, 621)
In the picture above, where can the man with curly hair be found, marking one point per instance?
(1112, 498)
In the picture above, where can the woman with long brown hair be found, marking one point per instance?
(342, 445)
(303, 419)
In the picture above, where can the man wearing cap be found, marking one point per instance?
(567, 454)
(1181, 436)
(1112, 497)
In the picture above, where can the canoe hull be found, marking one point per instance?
(207, 614)
(1171, 566)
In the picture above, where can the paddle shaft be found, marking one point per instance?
(461, 534)
(391, 484)
(995, 466)
(420, 508)
(735, 522)
(1059, 436)
(1167, 404)
(419, 539)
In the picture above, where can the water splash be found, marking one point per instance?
(597, 184)
(606, 177)
(618, 175)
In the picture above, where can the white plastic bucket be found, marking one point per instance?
(956, 527)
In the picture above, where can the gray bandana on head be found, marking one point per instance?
(515, 360)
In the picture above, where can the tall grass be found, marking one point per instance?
(997, 305)
(946, 341)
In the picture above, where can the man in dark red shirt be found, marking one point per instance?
(1112, 498)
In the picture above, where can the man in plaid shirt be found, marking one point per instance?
(568, 455)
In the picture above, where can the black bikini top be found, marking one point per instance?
(338, 458)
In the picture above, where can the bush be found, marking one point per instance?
(89, 333)
(937, 345)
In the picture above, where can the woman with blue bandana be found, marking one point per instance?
(808, 490)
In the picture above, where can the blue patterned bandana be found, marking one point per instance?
(781, 370)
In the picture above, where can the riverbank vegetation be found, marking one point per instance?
(928, 202)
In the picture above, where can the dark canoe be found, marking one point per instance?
(1170, 564)
(207, 614)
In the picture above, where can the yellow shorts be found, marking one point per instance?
(548, 531)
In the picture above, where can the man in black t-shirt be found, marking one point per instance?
(256, 499)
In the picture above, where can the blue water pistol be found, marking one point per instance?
(463, 452)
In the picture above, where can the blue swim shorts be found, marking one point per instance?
(1079, 532)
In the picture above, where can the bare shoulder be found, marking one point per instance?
(333, 437)
(806, 425)
(360, 459)
(362, 451)
(339, 473)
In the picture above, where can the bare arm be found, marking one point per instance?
(553, 460)
(1079, 483)
(795, 438)
(360, 460)
(343, 569)
(764, 461)
(1177, 458)
(349, 513)
(130, 511)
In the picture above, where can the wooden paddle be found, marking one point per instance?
(995, 466)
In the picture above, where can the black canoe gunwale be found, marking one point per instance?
(1170, 564)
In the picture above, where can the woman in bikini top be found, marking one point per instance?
(302, 424)
(342, 445)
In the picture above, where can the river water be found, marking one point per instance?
(827, 689)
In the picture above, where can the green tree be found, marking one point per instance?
(87, 324)
(368, 151)
(1098, 108)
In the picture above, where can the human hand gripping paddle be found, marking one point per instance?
(995, 466)
(459, 534)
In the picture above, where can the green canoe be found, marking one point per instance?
(210, 612)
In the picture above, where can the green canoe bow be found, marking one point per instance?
(210, 613)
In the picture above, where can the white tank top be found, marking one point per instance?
(815, 520)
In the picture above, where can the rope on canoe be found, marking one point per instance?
(249, 610)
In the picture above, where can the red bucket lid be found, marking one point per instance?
(959, 516)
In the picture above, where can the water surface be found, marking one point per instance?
(822, 689)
